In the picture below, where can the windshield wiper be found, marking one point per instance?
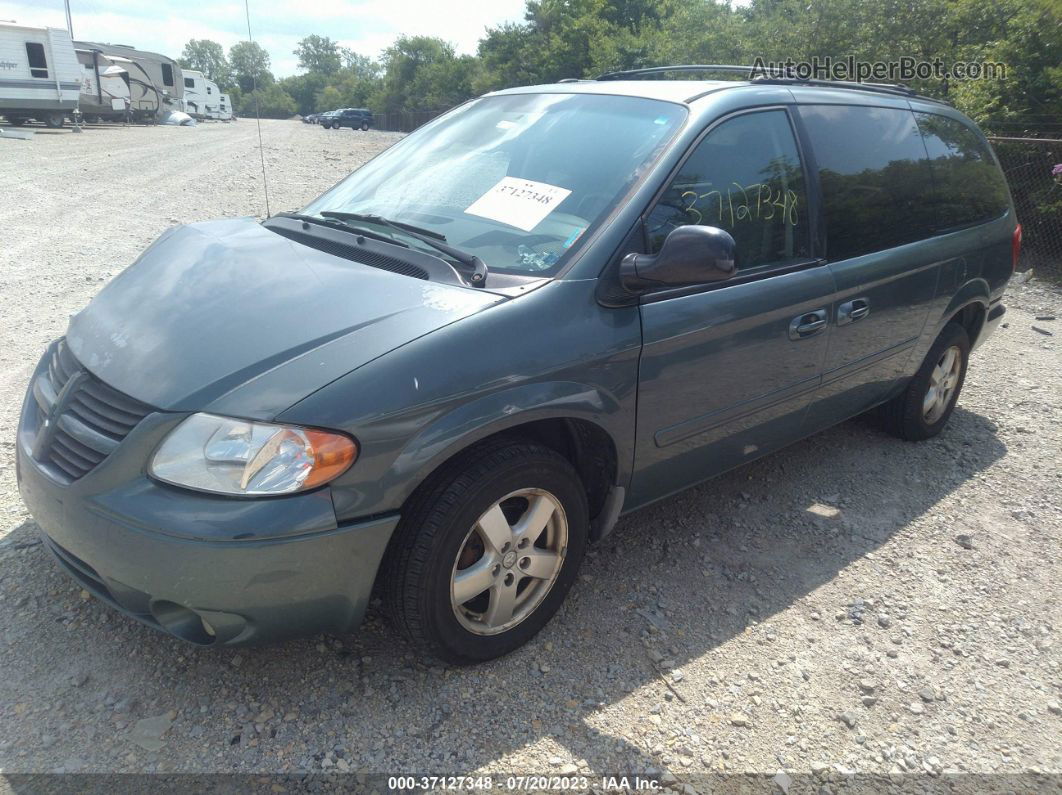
(437, 241)
(336, 223)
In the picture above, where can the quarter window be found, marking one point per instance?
(874, 177)
(189, 82)
(38, 63)
(167, 74)
(967, 185)
(745, 177)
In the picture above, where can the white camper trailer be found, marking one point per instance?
(104, 86)
(156, 84)
(202, 98)
(225, 107)
(39, 74)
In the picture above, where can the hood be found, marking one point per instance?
(230, 317)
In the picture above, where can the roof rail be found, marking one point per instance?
(711, 67)
(763, 74)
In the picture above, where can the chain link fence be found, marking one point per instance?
(1029, 161)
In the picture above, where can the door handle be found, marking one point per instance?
(808, 324)
(853, 310)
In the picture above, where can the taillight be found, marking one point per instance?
(1015, 247)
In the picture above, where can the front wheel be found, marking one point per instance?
(484, 556)
(55, 120)
(364, 127)
(922, 410)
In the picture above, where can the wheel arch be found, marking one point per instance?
(968, 307)
(579, 422)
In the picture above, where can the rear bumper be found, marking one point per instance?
(207, 569)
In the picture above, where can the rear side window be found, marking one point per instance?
(874, 177)
(967, 185)
(744, 177)
(189, 82)
(38, 63)
(167, 74)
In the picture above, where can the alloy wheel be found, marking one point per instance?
(509, 561)
(942, 382)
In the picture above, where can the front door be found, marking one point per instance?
(726, 373)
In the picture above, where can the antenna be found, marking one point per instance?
(257, 117)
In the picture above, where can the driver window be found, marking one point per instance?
(744, 177)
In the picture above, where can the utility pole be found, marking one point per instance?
(69, 21)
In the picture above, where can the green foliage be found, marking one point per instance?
(560, 39)
(273, 102)
(250, 65)
(319, 54)
(209, 58)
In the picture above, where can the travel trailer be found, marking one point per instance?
(156, 83)
(225, 107)
(104, 86)
(202, 97)
(39, 74)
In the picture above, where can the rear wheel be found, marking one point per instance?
(485, 555)
(364, 127)
(16, 121)
(922, 410)
(55, 120)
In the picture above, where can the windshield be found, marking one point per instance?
(515, 179)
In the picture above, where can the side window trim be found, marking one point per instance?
(813, 260)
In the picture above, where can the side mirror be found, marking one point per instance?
(690, 255)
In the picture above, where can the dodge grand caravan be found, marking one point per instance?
(454, 370)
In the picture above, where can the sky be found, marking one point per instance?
(366, 26)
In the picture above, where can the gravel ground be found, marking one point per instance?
(853, 603)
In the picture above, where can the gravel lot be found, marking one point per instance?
(912, 629)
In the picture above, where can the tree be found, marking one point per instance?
(403, 62)
(273, 102)
(207, 57)
(250, 65)
(319, 54)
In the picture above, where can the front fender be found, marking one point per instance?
(384, 482)
(500, 411)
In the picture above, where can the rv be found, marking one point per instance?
(104, 86)
(156, 83)
(225, 107)
(39, 74)
(202, 97)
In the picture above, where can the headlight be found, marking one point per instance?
(228, 456)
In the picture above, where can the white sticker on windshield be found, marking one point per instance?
(518, 202)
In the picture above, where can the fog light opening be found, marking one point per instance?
(183, 622)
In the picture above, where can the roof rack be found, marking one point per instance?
(763, 74)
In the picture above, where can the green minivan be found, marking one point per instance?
(450, 373)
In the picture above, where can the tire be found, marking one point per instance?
(55, 120)
(913, 414)
(495, 485)
(16, 121)
(364, 127)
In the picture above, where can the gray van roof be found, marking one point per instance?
(687, 91)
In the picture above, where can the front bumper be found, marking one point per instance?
(210, 570)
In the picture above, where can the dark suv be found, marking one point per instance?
(354, 118)
(459, 366)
